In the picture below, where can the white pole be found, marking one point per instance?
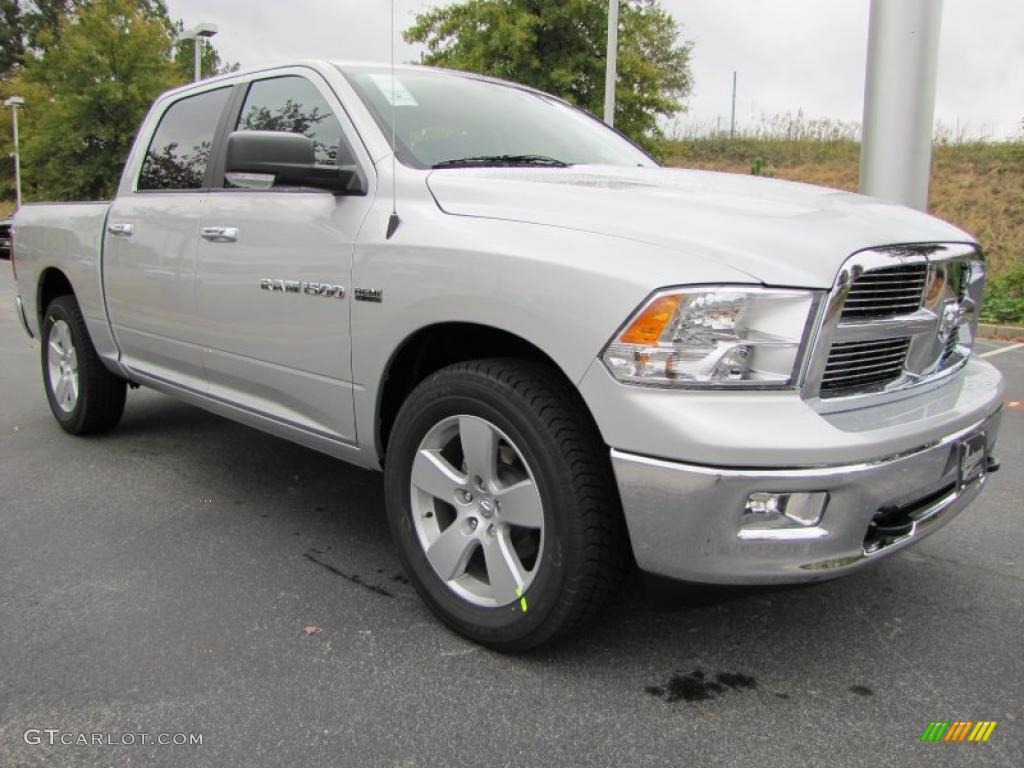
(899, 100)
(17, 160)
(613, 53)
(197, 43)
(732, 121)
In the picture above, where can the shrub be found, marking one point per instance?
(1004, 296)
(760, 168)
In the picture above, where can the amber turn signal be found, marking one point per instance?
(649, 324)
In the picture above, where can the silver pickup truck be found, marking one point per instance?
(564, 358)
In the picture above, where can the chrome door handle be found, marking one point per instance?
(219, 234)
(121, 230)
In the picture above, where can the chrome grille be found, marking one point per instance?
(886, 292)
(897, 318)
(856, 364)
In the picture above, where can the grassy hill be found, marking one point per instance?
(977, 186)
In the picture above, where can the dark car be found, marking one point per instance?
(5, 237)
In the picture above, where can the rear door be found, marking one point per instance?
(152, 236)
(277, 345)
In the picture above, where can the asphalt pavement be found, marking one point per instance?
(161, 580)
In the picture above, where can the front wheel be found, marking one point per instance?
(84, 396)
(502, 503)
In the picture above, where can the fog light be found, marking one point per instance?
(766, 505)
(783, 510)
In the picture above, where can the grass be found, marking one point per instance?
(6, 206)
(977, 186)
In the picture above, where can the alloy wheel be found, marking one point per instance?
(477, 511)
(62, 362)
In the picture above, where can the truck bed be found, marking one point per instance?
(68, 237)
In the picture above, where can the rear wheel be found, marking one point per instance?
(84, 396)
(502, 503)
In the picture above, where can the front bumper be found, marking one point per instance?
(687, 521)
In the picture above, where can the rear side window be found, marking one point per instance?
(180, 149)
(292, 104)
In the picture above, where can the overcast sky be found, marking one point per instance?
(790, 54)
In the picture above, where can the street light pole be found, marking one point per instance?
(198, 34)
(14, 102)
(611, 74)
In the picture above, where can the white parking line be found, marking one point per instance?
(1000, 351)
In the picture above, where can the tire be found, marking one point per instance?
(84, 396)
(526, 427)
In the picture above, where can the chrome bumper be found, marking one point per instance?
(20, 306)
(688, 522)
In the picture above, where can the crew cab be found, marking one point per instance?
(566, 359)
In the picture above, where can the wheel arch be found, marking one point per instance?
(436, 346)
(51, 284)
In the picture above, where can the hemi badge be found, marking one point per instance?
(369, 294)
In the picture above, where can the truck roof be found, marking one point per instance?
(314, 63)
(332, 64)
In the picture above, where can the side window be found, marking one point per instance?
(180, 148)
(292, 104)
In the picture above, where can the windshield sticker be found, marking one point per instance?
(394, 91)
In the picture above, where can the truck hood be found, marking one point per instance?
(778, 232)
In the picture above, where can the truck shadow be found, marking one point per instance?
(705, 641)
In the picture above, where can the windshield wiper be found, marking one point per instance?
(483, 161)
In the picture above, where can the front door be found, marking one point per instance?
(273, 275)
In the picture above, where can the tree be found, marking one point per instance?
(12, 47)
(89, 71)
(560, 48)
(42, 18)
(113, 59)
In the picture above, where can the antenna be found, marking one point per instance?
(393, 220)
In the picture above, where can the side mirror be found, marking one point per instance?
(261, 159)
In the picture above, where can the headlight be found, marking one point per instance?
(713, 336)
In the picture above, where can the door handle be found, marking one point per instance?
(219, 234)
(121, 230)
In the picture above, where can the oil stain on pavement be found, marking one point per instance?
(698, 686)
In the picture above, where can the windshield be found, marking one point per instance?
(446, 119)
